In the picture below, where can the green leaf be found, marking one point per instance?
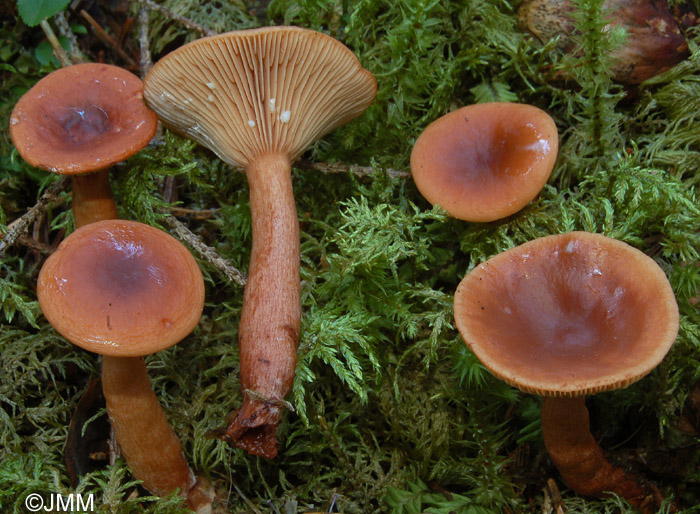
(33, 11)
(44, 52)
(77, 28)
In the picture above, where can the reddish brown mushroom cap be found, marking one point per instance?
(121, 288)
(568, 315)
(486, 161)
(82, 118)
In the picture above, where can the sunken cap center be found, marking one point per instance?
(79, 125)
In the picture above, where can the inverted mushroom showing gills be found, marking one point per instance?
(484, 162)
(79, 121)
(124, 290)
(258, 98)
(564, 316)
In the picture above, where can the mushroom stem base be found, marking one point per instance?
(252, 428)
(581, 461)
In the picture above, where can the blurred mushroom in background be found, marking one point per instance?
(654, 36)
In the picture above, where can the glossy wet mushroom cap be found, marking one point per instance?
(486, 161)
(82, 118)
(259, 91)
(568, 315)
(121, 288)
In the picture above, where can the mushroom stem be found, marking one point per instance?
(269, 326)
(92, 198)
(580, 460)
(149, 445)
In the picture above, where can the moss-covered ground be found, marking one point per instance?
(392, 413)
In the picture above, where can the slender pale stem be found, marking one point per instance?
(92, 198)
(58, 50)
(151, 448)
(269, 326)
(579, 458)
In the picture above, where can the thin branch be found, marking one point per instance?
(176, 17)
(64, 28)
(19, 227)
(362, 171)
(106, 38)
(195, 214)
(58, 50)
(206, 252)
(145, 61)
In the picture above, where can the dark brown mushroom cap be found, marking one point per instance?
(121, 288)
(251, 92)
(568, 315)
(485, 161)
(82, 118)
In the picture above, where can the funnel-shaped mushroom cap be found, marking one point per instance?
(82, 118)
(568, 315)
(121, 288)
(252, 92)
(486, 161)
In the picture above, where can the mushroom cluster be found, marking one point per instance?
(562, 316)
(117, 288)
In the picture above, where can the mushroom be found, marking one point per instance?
(564, 316)
(79, 121)
(125, 290)
(258, 98)
(654, 40)
(484, 162)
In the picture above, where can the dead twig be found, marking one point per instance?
(35, 245)
(19, 227)
(58, 50)
(206, 252)
(64, 28)
(145, 61)
(275, 402)
(195, 214)
(124, 31)
(176, 17)
(362, 171)
(106, 38)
